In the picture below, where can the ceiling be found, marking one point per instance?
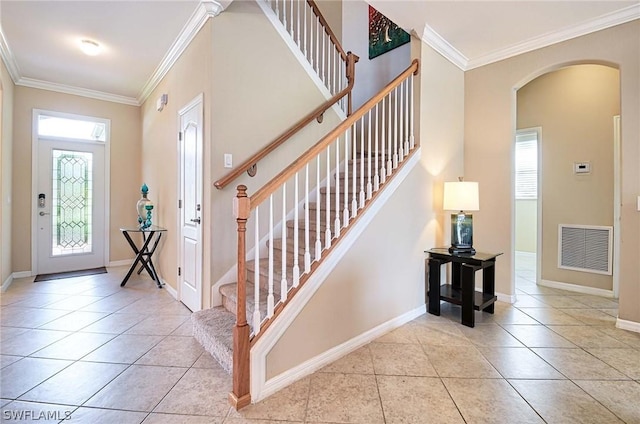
(142, 38)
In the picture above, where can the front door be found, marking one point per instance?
(69, 206)
(191, 174)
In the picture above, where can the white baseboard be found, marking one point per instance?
(22, 274)
(124, 262)
(173, 292)
(6, 283)
(628, 325)
(507, 298)
(312, 365)
(576, 288)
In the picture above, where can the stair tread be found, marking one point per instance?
(213, 329)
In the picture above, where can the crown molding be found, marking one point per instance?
(608, 20)
(77, 91)
(442, 46)
(8, 58)
(206, 9)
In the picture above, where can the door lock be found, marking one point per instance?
(43, 213)
(196, 220)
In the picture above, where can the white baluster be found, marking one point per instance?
(318, 231)
(270, 299)
(412, 140)
(390, 152)
(337, 220)
(327, 231)
(385, 124)
(277, 9)
(354, 201)
(305, 31)
(283, 281)
(311, 45)
(323, 69)
(298, 26)
(307, 250)
(345, 217)
(395, 129)
(369, 185)
(405, 121)
(284, 14)
(296, 252)
(376, 177)
(256, 275)
(401, 119)
(361, 194)
(291, 21)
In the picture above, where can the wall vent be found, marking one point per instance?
(585, 248)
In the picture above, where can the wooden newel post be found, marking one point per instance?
(352, 59)
(240, 396)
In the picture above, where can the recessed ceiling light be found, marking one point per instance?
(89, 47)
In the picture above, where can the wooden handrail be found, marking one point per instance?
(327, 29)
(263, 193)
(352, 59)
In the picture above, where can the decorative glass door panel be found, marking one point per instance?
(69, 208)
(72, 199)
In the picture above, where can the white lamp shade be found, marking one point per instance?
(461, 196)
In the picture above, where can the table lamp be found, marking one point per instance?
(461, 196)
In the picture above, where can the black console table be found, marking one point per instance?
(150, 239)
(461, 291)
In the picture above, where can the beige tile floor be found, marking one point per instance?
(86, 348)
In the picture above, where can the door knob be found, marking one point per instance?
(43, 213)
(196, 220)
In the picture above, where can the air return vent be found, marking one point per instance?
(585, 248)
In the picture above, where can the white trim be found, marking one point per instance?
(6, 283)
(34, 181)
(206, 9)
(617, 178)
(8, 58)
(623, 324)
(123, 262)
(286, 37)
(597, 24)
(268, 340)
(76, 91)
(173, 292)
(312, 365)
(576, 288)
(507, 298)
(442, 46)
(23, 274)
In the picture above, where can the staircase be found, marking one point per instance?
(288, 228)
(213, 327)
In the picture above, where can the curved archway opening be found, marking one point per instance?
(568, 111)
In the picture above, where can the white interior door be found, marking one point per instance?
(191, 176)
(69, 206)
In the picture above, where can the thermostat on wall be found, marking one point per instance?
(582, 167)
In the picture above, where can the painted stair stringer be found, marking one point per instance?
(260, 386)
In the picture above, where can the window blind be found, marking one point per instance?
(527, 166)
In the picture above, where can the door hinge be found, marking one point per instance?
(179, 271)
(180, 136)
(180, 204)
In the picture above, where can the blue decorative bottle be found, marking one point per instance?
(144, 208)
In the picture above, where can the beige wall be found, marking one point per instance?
(526, 225)
(490, 122)
(6, 142)
(253, 92)
(125, 162)
(382, 275)
(189, 77)
(575, 107)
(332, 12)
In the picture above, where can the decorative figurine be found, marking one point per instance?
(144, 208)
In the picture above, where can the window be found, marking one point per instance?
(55, 126)
(527, 165)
